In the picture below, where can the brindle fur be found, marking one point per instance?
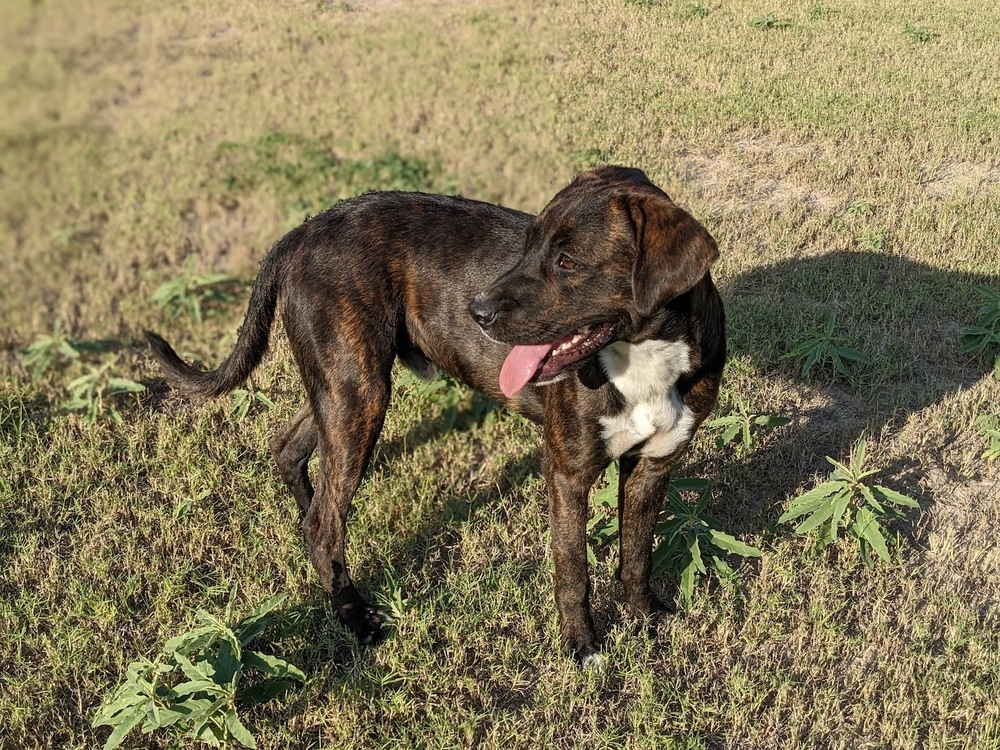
(391, 275)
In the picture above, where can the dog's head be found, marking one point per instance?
(602, 262)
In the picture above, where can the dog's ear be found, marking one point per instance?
(672, 251)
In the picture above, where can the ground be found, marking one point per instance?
(846, 161)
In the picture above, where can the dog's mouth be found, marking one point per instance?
(539, 363)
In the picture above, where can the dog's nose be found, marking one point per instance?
(483, 310)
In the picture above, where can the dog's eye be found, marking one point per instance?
(566, 263)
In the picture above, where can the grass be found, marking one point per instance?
(850, 172)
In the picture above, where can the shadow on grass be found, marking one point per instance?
(906, 316)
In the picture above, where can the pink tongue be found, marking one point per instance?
(520, 366)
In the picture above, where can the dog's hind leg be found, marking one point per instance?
(349, 412)
(292, 447)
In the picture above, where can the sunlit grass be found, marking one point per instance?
(847, 164)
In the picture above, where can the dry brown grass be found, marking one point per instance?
(844, 166)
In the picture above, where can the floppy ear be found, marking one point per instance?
(672, 251)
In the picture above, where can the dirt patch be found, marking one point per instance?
(951, 177)
(756, 172)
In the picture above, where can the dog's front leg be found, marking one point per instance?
(642, 487)
(568, 525)
(574, 458)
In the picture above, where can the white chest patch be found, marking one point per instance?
(646, 374)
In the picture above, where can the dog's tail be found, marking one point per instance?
(251, 344)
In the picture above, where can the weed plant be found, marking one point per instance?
(846, 501)
(192, 688)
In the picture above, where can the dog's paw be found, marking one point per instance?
(644, 603)
(583, 646)
(369, 624)
(658, 608)
(649, 611)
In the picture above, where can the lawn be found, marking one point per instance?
(845, 155)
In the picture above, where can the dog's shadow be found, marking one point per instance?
(906, 317)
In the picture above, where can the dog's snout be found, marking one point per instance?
(483, 310)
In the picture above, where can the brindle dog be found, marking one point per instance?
(598, 318)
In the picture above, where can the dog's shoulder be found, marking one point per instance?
(652, 411)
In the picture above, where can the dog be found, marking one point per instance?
(597, 319)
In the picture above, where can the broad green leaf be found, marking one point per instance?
(594, 522)
(687, 581)
(873, 534)
(193, 640)
(868, 531)
(125, 724)
(870, 497)
(811, 360)
(866, 555)
(838, 365)
(222, 631)
(227, 664)
(124, 385)
(661, 560)
(845, 472)
(721, 567)
(263, 608)
(607, 530)
(724, 421)
(859, 456)
(209, 733)
(123, 700)
(68, 350)
(265, 691)
(83, 381)
(703, 501)
(810, 500)
(272, 666)
(695, 549)
(819, 516)
(772, 421)
(727, 436)
(238, 731)
(607, 496)
(197, 686)
(895, 497)
(210, 717)
(731, 544)
(747, 440)
(170, 716)
(195, 671)
(840, 503)
(973, 340)
(801, 350)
